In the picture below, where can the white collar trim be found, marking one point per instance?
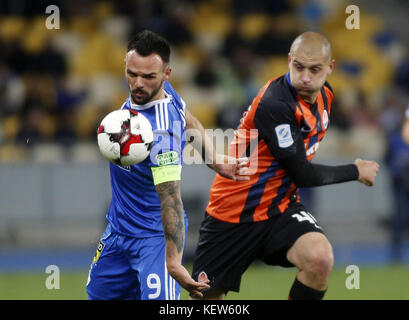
(149, 104)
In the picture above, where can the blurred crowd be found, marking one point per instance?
(57, 84)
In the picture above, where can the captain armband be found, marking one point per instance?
(166, 174)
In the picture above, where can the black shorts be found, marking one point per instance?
(225, 250)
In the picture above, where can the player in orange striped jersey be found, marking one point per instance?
(263, 218)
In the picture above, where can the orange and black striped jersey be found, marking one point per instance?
(267, 133)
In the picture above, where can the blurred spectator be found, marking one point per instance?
(206, 75)
(405, 127)
(50, 61)
(148, 14)
(339, 117)
(68, 98)
(16, 58)
(229, 117)
(233, 42)
(65, 133)
(397, 160)
(41, 93)
(260, 6)
(402, 73)
(177, 31)
(27, 8)
(275, 41)
(30, 132)
(12, 91)
(240, 84)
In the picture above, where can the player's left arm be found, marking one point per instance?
(174, 231)
(224, 165)
(279, 128)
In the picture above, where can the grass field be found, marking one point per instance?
(259, 283)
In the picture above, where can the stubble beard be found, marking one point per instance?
(148, 98)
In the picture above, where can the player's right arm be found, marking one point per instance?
(292, 155)
(174, 231)
(228, 167)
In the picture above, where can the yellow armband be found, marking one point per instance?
(166, 174)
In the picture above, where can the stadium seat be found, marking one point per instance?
(252, 25)
(275, 66)
(85, 153)
(11, 153)
(205, 113)
(11, 126)
(48, 153)
(221, 20)
(36, 36)
(11, 28)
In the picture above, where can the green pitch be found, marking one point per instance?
(260, 282)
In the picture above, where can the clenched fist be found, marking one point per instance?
(367, 171)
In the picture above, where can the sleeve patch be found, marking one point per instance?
(284, 137)
(164, 159)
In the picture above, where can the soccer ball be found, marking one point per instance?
(125, 137)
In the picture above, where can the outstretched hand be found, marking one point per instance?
(182, 276)
(232, 168)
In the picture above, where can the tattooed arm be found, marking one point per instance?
(174, 231)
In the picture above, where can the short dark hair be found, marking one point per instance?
(147, 42)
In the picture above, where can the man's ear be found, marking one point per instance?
(331, 66)
(168, 71)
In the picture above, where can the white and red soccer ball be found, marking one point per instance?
(125, 137)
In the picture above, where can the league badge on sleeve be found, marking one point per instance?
(284, 136)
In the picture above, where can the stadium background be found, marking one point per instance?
(56, 85)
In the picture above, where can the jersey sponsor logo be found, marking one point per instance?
(167, 158)
(284, 136)
(325, 119)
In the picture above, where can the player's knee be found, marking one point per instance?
(320, 263)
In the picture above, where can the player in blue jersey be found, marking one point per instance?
(140, 253)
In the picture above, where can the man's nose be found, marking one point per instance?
(138, 82)
(305, 77)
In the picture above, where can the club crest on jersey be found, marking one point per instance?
(202, 277)
(325, 119)
(284, 137)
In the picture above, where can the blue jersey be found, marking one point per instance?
(135, 209)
